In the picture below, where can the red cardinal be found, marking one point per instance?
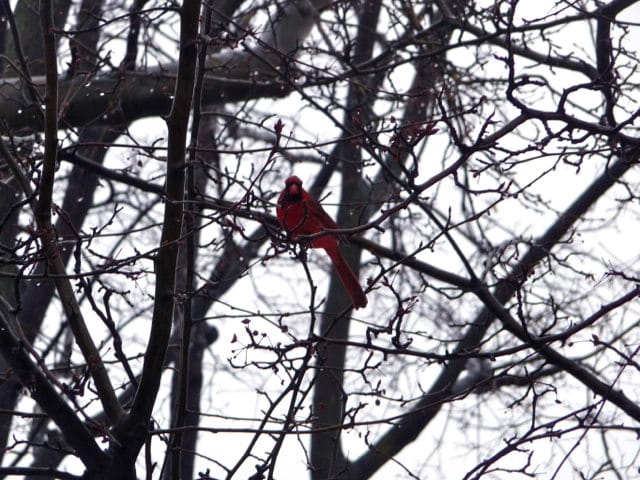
(300, 214)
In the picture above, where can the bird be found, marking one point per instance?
(300, 214)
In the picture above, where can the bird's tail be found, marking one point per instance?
(349, 280)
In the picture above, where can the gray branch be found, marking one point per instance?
(120, 97)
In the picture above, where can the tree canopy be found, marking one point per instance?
(479, 158)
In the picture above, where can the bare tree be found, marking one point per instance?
(480, 160)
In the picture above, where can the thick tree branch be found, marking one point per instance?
(122, 97)
(172, 226)
(329, 400)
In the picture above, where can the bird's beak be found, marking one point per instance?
(294, 190)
